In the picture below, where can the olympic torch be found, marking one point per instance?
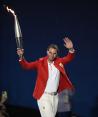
(18, 34)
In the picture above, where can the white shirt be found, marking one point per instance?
(53, 78)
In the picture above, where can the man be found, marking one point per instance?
(51, 77)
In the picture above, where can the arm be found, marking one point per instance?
(25, 64)
(69, 45)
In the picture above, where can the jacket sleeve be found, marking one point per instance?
(68, 58)
(28, 65)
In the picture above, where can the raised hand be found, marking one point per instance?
(68, 43)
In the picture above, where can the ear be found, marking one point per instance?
(47, 52)
(57, 55)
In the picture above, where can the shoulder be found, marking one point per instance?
(43, 58)
(58, 59)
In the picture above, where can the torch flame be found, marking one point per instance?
(10, 10)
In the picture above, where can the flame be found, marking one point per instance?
(10, 10)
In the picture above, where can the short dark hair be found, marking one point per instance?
(54, 46)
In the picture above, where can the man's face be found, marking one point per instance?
(52, 54)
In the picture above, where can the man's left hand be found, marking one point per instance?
(68, 43)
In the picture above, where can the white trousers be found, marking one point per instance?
(48, 105)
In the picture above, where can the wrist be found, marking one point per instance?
(71, 50)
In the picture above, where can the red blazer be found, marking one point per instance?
(42, 73)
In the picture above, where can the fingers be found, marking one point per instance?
(66, 39)
(67, 42)
(20, 51)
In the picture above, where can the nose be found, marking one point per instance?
(52, 55)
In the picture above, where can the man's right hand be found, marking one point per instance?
(20, 52)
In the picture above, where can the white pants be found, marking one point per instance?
(48, 105)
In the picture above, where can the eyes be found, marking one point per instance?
(52, 53)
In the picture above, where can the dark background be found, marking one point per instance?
(43, 23)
